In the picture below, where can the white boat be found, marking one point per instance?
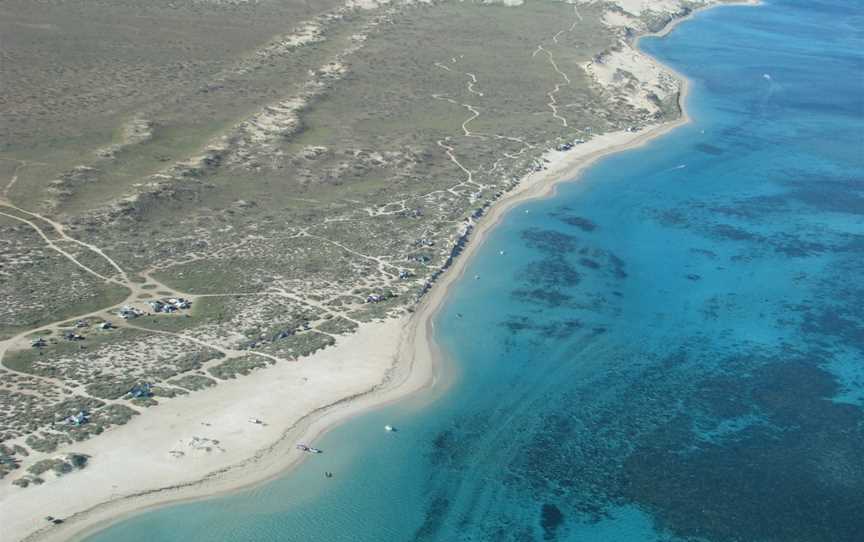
(314, 451)
(389, 428)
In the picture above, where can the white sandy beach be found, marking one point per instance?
(132, 468)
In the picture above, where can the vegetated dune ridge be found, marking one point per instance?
(223, 449)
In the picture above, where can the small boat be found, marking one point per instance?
(389, 428)
(314, 450)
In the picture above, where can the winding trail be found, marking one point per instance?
(553, 103)
(474, 114)
(54, 247)
(13, 180)
(578, 18)
(448, 150)
(382, 265)
(472, 83)
(60, 230)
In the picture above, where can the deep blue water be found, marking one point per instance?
(670, 349)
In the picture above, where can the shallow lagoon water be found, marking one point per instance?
(670, 349)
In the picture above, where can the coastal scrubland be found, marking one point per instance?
(193, 190)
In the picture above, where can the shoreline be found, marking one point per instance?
(410, 359)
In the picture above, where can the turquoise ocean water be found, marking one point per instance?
(670, 349)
